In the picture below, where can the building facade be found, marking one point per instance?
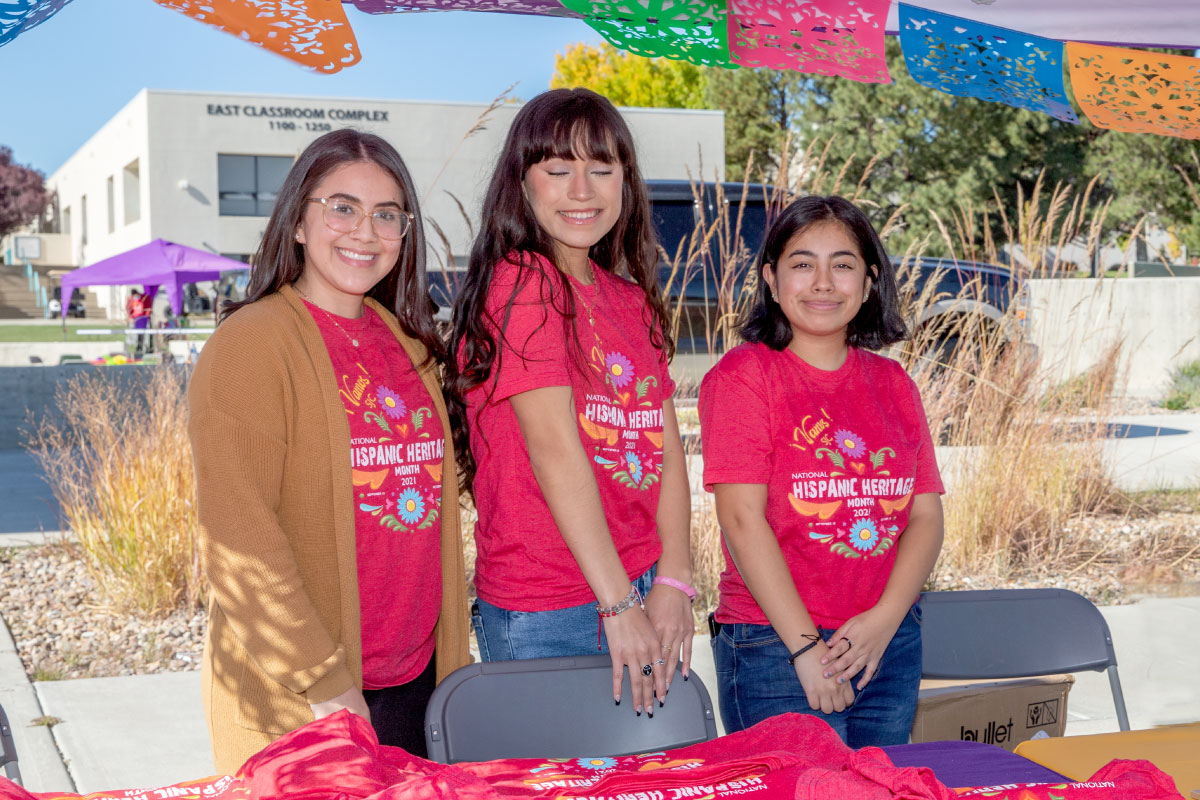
(202, 169)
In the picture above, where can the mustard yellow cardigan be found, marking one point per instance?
(272, 454)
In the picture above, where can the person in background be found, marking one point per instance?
(827, 490)
(324, 467)
(562, 399)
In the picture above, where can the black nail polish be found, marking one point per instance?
(660, 703)
(639, 713)
(616, 702)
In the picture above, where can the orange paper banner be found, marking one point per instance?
(313, 33)
(1136, 91)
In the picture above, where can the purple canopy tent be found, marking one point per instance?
(164, 265)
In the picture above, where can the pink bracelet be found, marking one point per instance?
(663, 580)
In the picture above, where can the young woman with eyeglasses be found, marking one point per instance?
(562, 399)
(827, 488)
(330, 541)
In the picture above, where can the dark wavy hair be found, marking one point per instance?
(561, 123)
(280, 258)
(878, 322)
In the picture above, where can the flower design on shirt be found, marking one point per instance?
(410, 506)
(596, 763)
(391, 403)
(850, 443)
(618, 369)
(633, 465)
(863, 535)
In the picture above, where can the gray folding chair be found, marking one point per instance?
(556, 708)
(1016, 633)
(8, 750)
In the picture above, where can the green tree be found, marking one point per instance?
(630, 80)
(761, 106)
(1143, 173)
(934, 150)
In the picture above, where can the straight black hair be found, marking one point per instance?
(280, 258)
(878, 322)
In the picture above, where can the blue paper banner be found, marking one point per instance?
(18, 16)
(970, 59)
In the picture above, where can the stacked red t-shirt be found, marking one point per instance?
(842, 453)
(396, 447)
(620, 382)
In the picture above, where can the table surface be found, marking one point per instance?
(1174, 749)
(960, 764)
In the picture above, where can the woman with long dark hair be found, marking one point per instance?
(324, 467)
(560, 388)
(827, 490)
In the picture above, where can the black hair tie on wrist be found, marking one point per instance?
(814, 639)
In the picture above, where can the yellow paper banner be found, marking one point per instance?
(1136, 91)
(313, 33)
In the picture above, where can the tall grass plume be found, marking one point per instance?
(116, 454)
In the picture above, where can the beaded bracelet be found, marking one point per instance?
(813, 639)
(634, 598)
(662, 580)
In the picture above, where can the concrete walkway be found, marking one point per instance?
(149, 730)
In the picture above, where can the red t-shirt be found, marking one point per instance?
(396, 447)
(620, 382)
(842, 454)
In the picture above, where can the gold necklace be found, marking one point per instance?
(329, 316)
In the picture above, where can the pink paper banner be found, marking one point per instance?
(823, 37)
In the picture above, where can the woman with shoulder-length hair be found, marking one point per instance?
(559, 383)
(827, 490)
(330, 541)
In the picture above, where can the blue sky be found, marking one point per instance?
(65, 78)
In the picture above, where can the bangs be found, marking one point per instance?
(586, 136)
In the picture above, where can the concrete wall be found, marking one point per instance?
(1074, 321)
(28, 393)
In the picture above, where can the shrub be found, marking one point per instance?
(117, 456)
(1185, 387)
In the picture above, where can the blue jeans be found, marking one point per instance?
(755, 681)
(506, 635)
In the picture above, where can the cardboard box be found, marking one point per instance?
(1003, 713)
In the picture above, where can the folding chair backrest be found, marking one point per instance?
(8, 750)
(1015, 633)
(556, 708)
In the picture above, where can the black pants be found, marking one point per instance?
(398, 712)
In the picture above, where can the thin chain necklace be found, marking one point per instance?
(597, 355)
(328, 316)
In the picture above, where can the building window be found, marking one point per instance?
(248, 185)
(132, 179)
(83, 219)
(112, 205)
(66, 220)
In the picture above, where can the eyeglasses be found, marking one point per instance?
(344, 216)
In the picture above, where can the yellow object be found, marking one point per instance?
(1175, 750)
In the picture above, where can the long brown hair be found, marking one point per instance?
(561, 123)
(280, 258)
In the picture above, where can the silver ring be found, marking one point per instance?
(660, 662)
(647, 670)
(848, 645)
